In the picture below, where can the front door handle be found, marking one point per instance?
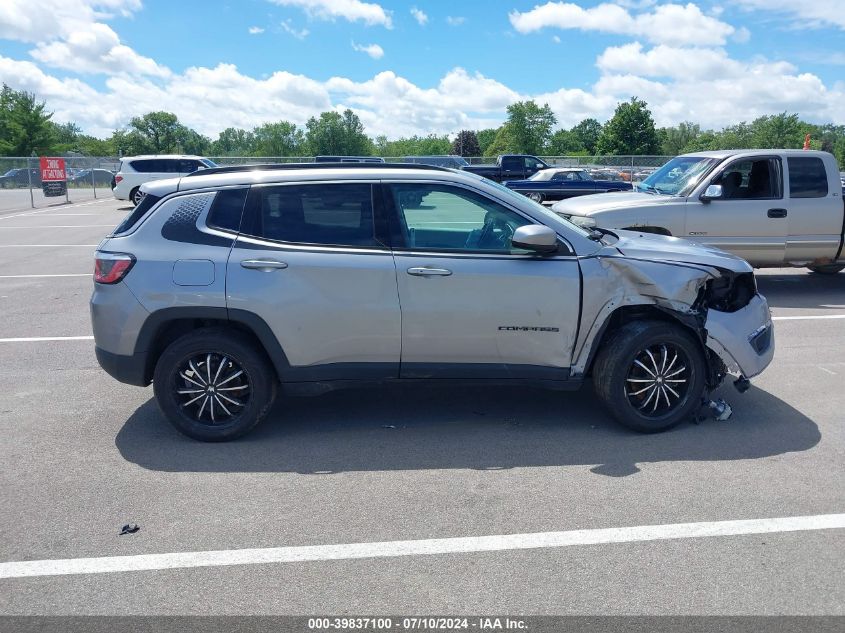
(264, 265)
(424, 271)
(777, 213)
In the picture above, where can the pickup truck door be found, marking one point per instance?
(472, 306)
(751, 219)
(815, 210)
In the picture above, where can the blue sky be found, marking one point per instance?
(436, 69)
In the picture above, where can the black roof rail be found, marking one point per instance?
(282, 166)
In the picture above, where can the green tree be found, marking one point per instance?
(502, 143)
(278, 139)
(529, 126)
(336, 134)
(466, 144)
(675, 139)
(565, 143)
(777, 131)
(630, 131)
(485, 138)
(189, 141)
(234, 141)
(157, 132)
(25, 125)
(587, 132)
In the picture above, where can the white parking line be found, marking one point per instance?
(44, 245)
(808, 317)
(388, 549)
(59, 226)
(45, 276)
(53, 208)
(32, 339)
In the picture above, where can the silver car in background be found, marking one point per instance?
(226, 285)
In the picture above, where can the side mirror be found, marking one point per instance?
(535, 237)
(713, 192)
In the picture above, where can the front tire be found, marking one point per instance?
(214, 385)
(536, 197)
(650, 375)
(827, 269)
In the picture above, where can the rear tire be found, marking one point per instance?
(648, 359)
(136, 196)
(214, 385)
(827, 269)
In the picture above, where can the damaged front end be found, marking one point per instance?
(738, 325)
(712, 293)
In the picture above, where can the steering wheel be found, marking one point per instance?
(490, 240)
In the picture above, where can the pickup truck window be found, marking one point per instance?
(679, 176)
(749, 179)
(807, 177)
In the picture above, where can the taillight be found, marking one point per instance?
(109, 268)
(117, 179)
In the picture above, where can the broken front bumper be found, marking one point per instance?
(744, 339)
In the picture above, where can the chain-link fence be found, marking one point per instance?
(89, 177)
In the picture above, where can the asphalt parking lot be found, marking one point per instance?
(83, 455)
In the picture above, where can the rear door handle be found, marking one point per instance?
(777, 213)
(264, 265)
(424, 271)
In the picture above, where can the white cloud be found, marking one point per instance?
(299, 34)
(815, 13)
(373, 50)
(666, 24)
(419, 16)
(555, 39)
(69, 34)
(369, 13)
(255, 30)
(455, 20)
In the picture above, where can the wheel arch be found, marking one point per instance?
(628, 313)
(164, 326)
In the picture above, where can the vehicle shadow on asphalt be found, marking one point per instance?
(809, 291)
(418, 428)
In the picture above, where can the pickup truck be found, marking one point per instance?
(560, 183)
(509, 167)
(771, 207)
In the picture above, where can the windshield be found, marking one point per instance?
(208, 163)
(544, 174)
(678, 176)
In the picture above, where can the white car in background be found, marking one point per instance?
(134, 171)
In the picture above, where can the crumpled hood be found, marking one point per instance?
(587, 205)
(650, 246)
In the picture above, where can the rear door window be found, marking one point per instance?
(807, 177)
(327, 214)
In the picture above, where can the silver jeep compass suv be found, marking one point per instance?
(226, 285)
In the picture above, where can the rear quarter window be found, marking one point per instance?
(807, 177)
(226, 210)
(137, 213)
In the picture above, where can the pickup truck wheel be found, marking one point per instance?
(536, 197)
(213, 385)
(650, 375)
(827, 269)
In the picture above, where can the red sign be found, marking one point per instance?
(52, 169)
